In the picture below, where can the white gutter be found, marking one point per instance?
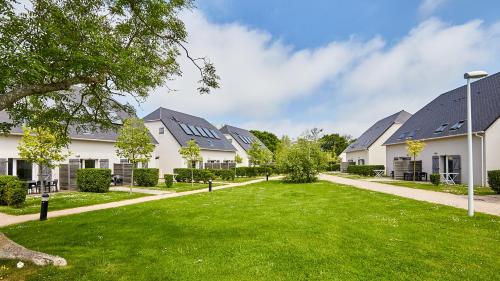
(482, 159)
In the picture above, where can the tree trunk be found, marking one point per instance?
(414, 166)
(131, 180)
(40, 178)
(192, 180)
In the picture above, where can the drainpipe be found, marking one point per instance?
(482, 158)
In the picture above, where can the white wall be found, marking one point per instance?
(356, 155)
(440, 147)
(376, 152)
(239, 150)
(492, 147)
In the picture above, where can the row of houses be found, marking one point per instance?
(442, 126)
(170, 130)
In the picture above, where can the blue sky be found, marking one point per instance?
(286, 66)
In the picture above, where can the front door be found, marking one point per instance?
(24, 170)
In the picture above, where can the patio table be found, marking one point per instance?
(449, 178)
(379, 173)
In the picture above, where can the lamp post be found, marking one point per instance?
(470, 190)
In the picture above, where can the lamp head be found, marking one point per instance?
(475, 74)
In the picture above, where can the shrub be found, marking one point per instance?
(333, 167)
(223, 174)
(494, 180)
(146, 176)
(255, 171)
(169, 180)
(16, 193)
(184, 175)
(435, 179)
(364, 170)
(302, 161)
(4, 180)
(93, 180)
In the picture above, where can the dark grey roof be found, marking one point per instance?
(108, 135)
(239, 135)
(172, 120)
(378, 129)
(450, 108)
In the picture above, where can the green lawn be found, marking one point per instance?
(268, 231)
(66, 200)
(455, 188)
(180, 186)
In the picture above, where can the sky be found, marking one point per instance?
(289, 65)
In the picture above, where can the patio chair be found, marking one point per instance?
(54, 184)
(117, 179)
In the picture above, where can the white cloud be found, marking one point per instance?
(368, 80)
(427, 7)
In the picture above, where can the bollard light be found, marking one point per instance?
(267, 176)
(209, 185)
(45, 207)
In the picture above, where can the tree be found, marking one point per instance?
(302, 161)
(134, 143)
(238, 160)
(269, 139)
(259, 155)
(67, 61)
(335, 143)
(414, 148)
(42, 147)
(191, 153)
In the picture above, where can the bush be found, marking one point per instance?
(184, 175)
(494, 180)
(333, 167)
(16, 193)
(146, 176)
(93, 180)
(169, 180)
(255, 171)
(435, 179)
(4, 180)
(227, 175)
(364, 170)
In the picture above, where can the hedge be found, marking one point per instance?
(93, 180)
(364, 170)
(435, 179)
(227, 175)
(494, 180)
(12, 191)
(255, 171)
(184, 175)
(146, 176)
(333, 167)
(169, 180)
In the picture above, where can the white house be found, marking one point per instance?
(242, 140)
(174, 129)
(86, 150)
(442, 125)
(368, 148)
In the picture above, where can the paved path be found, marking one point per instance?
(484, 204)
(140, 190)
(6, 220)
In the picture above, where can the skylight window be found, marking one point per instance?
(457, 125)
(402, 136)
(185, 129)
(193, 129)
(202, 132)
(208, 133)
(215, 134)
(412, 134)
(243, 139)
(441, 128)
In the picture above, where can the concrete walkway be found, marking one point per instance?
(483, 204)
(6, 219)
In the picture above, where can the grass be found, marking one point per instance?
(268, 231)
(454, 189)
(180, 186)
(348, 176)
(66, 200)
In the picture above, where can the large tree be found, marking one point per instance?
(68, 60)
(335, 143)
(259, 155)
(269, 139)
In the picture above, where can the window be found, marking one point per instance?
(208, 133)
(243, 139)
(202, 132)
(361, 161)
(215, 134)
(89, 163)
(193, 129)
(457, 125)
(185, 128)
(412, 134)
(402, 136)
(441, 128)
(161, 131)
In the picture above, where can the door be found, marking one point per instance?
(454, 166)
(24, 170)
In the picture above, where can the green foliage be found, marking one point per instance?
(435, 179)
(134, 141)
(197, 175)
(10, 190)
(93, 180)
(169, 180)
(364, 170)
(255, 171)
(42, 146)
(191, 153)
(103, 46)
(146, 176)
(259, 155)
(15, 193)
(333, 167)
(238, 159)
(270, 140)
(302, 161)
(335, 143)
(494, 180)
(227, 175)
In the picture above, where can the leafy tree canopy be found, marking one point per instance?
(107, 48)
(259, 155)
(335, 142)
(269, 139)
(41, 146)
(134, 141)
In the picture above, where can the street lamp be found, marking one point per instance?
(470, 189)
